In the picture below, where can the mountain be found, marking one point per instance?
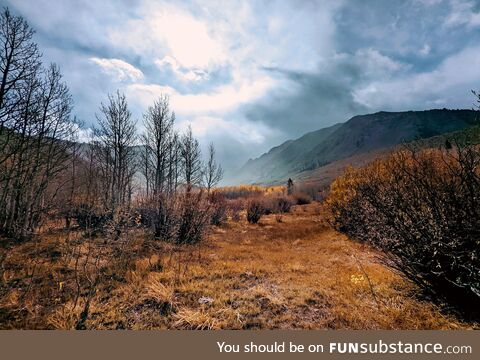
(358, 136)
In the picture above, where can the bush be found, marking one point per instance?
(234, 209)
(194, 218)
(218, 211)
(88, 217)
(276, 204)
(283, 205)
(255, 211)
(422, 209)
(180, 218)
(301, 198)
(160, 214)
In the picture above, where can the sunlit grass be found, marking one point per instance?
(295, 274)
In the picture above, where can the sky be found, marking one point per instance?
(248, 75)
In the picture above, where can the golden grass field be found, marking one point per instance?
(293, 274)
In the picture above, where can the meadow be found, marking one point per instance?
(296, 273)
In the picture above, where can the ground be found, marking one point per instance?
(296, 273)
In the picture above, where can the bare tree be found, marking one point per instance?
(39, 151)
(35, 129)
(158, 125)
(213, 172)
(146, 165)
(174, 162)
(115, 150)
(19, 63)
(190, 157)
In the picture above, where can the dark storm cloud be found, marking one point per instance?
(320, 100)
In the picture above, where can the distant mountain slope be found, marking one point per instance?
(361, 134)
(278, 161)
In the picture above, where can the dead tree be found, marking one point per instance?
(213, 172)
(115, 150)
(19, 64)
(35, 129)
(190, 158)
(38, 150)
(158, 123)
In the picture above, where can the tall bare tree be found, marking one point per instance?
(190, 158)
(38, 151)
(213, 172)
(115, 150)
(19, 62)
(146, 163)
(158, 123)
(35, 127)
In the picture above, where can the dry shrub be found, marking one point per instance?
(313, 190)
(194, 218)
(181, 218)
(255, 210)
(90, 217)
(283, 205)
(218, 211)
(301, 198)
(159, 213)
(234, 209)
(249, 191)
(276, 204)
(422, 209)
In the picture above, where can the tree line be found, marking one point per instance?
(44, 171)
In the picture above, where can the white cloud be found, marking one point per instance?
(463, 13)
(373, 62)
(84, 135)
(180, 72)
(120, 70)
(222, 99)
(421, 90)
(169, 30)
(243, 132)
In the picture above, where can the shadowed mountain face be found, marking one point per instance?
(361, 134)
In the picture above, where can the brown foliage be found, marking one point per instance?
(422, 209)
(297, 274)
(301, 198)
(255, 211)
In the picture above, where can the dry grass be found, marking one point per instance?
(297, 273)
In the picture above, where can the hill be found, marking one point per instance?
(359, 138)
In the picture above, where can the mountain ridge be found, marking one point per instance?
(359, 134)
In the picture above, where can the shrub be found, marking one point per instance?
(165, 217)
(159, 213)
(88, 217)
(422, 209)
(283, 205)
(255, 211)
(194, 218)
(218, 211)
(276, 204)
(249, 191)
(301, 198)
(234, 209)
(180, 218)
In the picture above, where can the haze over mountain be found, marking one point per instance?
(359, 135)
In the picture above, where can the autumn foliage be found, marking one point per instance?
(422, 209)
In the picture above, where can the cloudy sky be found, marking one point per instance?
(248, 75)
